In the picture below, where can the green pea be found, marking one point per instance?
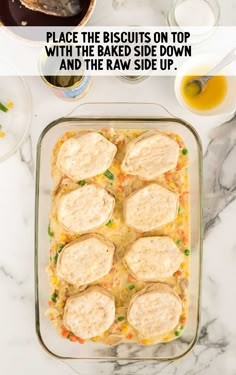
(50, 233)
(60, 247)
(3, 108)
(131, 286)
(54, 297)
(178, 242)
(177, 333)
(82, 182)
(187, 252)
(109, 223)
(120, 318)
(109, 175)
(184, 151)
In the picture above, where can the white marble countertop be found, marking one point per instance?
(215, 352)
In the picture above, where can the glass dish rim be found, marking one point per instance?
(37, 181)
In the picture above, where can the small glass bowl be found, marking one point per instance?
(213, 4)
(133, 79)
(198, 33)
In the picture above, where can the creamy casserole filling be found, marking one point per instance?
(119, 281)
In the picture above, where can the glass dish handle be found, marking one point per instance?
(120, 109)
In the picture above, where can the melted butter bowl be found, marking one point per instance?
(207, 104)
(212, 95)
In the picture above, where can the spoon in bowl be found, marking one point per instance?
(195, 86)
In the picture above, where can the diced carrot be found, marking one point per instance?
(104, 284)
(64, 332)
(73, 338)
(183, 320)
(121, 177)
(131, 278)
(178, 167)
(130, 176)
(81, 341)
(129, 336)
(50, 303)
(104, 130)
(121, 188)
(112, 270)
(178, 273)
(184, 239)
(182, 196)
(168, 176)
(121, 143)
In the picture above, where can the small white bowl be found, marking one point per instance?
(192, 66)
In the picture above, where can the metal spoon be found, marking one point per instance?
(197, 85)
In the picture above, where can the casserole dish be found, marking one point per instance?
(146, 116)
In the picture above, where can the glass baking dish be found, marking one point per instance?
(126, 116)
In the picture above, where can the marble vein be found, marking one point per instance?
(26, 155)
(219, 176)
(8, 275)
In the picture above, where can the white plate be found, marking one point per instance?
(16, 122)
